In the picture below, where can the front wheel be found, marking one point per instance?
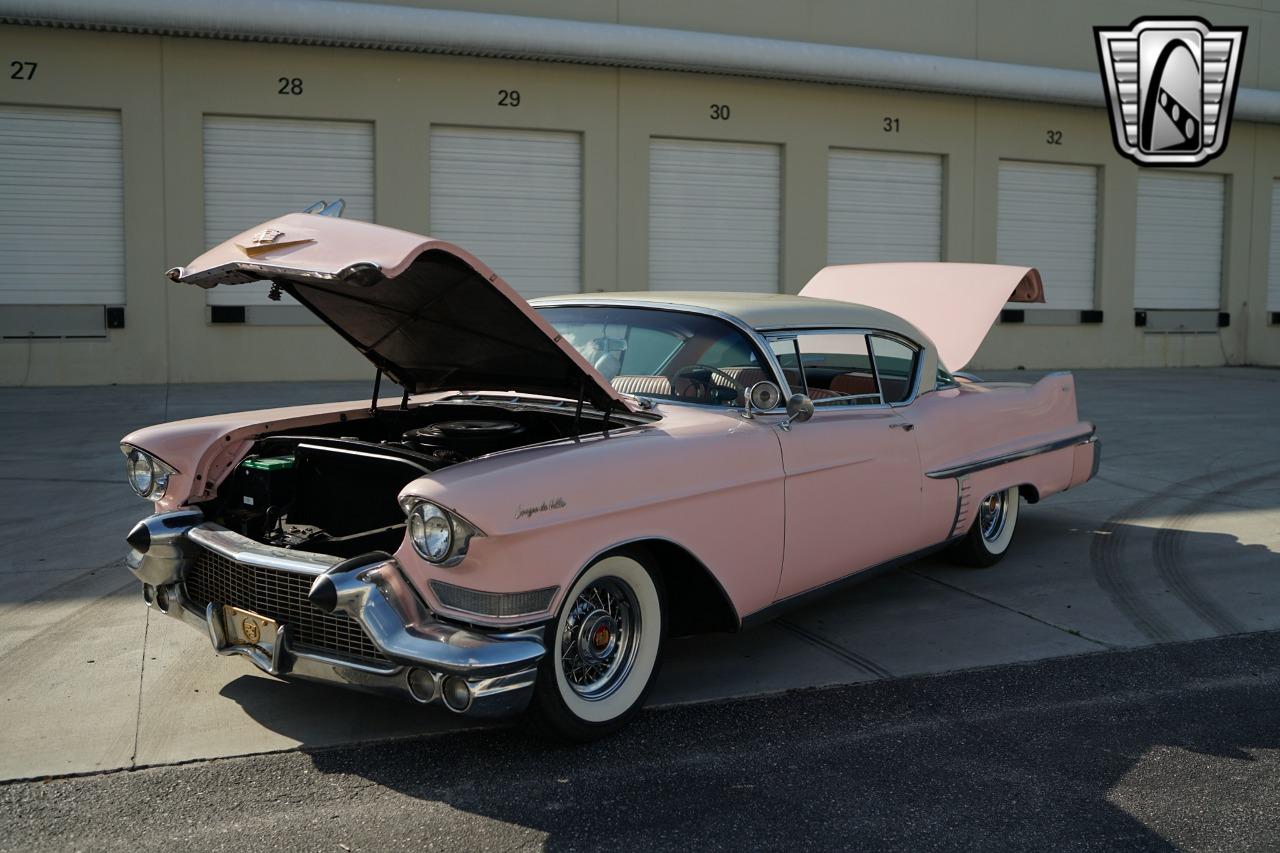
(603, 650)
(992, 531)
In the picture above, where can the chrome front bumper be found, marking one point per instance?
(426, 660)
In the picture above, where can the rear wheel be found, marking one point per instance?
(603, 650)
(992, 531)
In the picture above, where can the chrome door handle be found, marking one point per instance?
(903, 427)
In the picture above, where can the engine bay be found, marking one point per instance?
(332, 489)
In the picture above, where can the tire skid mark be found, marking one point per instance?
(1172, 566)
(1107, 552)
(820, 642)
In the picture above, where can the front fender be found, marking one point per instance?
(710, 482)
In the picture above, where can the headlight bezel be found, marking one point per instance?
(460, 531)
(157, 471)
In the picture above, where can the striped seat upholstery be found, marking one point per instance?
(653, 386)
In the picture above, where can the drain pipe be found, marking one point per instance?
(339, 23)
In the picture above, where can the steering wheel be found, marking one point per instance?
(713, 391)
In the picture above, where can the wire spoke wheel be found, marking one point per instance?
(992, 515)
(600, 638)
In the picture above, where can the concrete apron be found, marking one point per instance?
(1179, 538)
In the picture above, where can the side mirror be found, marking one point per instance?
(799, 410)
(762, 397)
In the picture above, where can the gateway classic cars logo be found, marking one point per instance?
(1171, 87)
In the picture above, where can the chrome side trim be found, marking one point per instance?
(1014, 456)
(242, 549)
(962, 506)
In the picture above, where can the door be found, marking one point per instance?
(852, 471)
(1273, 276)
(1178, 260)
(715, 215)
(62, 233)
(1047, 218)
(883, 206)
(514, 199)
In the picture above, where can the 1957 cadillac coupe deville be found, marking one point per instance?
(565, 483)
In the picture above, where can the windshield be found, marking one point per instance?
(666, 354)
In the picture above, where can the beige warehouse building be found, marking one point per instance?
(581, 146)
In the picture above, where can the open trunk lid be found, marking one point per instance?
(427, 313)
(954, 304)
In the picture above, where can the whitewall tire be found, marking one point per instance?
(992, 531)
(603, 649)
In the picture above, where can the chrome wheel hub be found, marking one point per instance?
(992, 514)
(600, 638)
(597, 637)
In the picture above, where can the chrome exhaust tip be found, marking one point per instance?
(424, 686)
(456, 694)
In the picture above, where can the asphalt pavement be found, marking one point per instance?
(1165, 748)
(1108, 685)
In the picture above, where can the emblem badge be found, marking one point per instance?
(1171, 86)
(251, 631)
(268, 240)
(265, 236)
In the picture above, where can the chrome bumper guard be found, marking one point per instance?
(429, 660)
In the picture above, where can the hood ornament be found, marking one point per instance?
(268, 240)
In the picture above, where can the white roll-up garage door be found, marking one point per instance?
(62, 216)
(1273, 279)
(883, 207)
(512, 198)
(259, 168)
(714, 215)
(1047, 218)
(1179, 246)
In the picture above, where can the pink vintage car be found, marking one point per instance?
(566, 483)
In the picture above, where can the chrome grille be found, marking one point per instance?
(281, 596)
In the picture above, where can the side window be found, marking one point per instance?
(895, 365)
(834, 368)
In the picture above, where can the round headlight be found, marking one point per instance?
(141, 472)
(148, 476)
(431, 532)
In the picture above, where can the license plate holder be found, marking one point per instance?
(246, 628)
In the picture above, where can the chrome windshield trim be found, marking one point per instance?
(1013, 456)
(242, 549)
(747, 329)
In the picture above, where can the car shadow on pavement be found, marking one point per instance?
(1152, 748)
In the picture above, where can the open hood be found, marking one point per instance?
(427, 313)
(954, 304)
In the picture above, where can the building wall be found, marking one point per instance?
(163, 87)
